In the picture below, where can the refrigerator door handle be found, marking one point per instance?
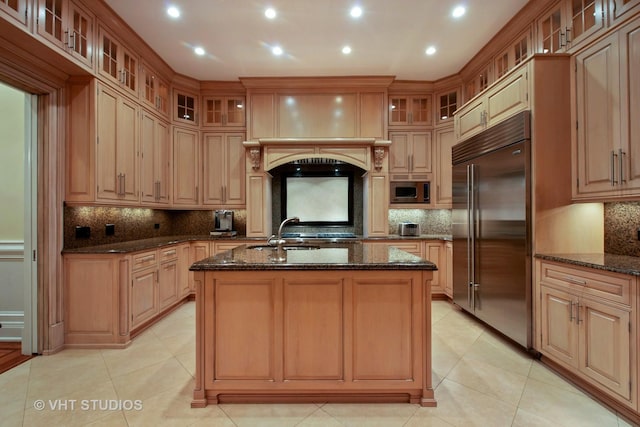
(469, 277)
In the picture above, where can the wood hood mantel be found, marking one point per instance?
(362, 152)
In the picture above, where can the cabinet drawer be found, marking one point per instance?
(168, 254)
(587, 281)
(144, 259)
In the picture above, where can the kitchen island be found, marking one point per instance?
(339, 322)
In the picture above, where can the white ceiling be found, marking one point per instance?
(389, 38)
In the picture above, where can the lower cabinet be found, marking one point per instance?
(435, 251)
(109, 296)
(587, 324)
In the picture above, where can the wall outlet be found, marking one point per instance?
(83, 232)
(109, 229)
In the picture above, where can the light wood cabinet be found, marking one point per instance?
(434, 252)
(223, 111)
(184, 262)
(478, 83)
(587, 323)
(219, 247)
(118, 63)
(607, 133)
(224, 173)
(117, 147)
(441, 186)
(411, 110)
(198, 251)
(410, 155)
(155, 91)
(503, 99)
(65, 24)
(568, 23)
(144, 296)
(155, 160)
(622, 9)
(516, 52)
(313, 334)
(15, 9)
(186, 167)
(168, 277)
(108, 297)
(448, 284)
(448, 103)
(185, 107)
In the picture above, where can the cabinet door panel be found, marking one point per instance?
(598, 117)
(399, 152)
(313, 330)
(445, 140)
(215, 170)
(244, 350)
(127, 148)
(382, 308)
(421, 153)
(605, 352)
(235, 187)
(559, 331)
(185, 167)
(511, 98)
(167, 284)
(471, 120)
(107, 178)
(144, 298)
(630, 90)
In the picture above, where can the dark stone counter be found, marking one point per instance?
(327, 256)
(157, 242)
(615, 263)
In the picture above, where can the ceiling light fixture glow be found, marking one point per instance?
(430, 50)
(198, 51)
(270, 13)
(173, 12)
(458, 11)
(356, 12)
(346, 50)
(277, 50)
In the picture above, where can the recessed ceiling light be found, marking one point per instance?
(346, 50)
(277, 50)
(430, 50)
(173, 12)
(356, 12)
(270, 13)
(198, 51)
(458, 11)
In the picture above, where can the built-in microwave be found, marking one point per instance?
(410, 192)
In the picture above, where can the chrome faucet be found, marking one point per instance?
(280, 241)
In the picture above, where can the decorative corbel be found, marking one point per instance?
(378, 156)
(254, 154)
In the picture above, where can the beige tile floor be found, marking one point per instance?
(479, 380)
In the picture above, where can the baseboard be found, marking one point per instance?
(11, 325)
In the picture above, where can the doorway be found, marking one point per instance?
(18, 223)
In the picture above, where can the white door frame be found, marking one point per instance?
(30, 329)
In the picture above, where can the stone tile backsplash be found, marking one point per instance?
(621, 224)
(137, 223)
(432, 221)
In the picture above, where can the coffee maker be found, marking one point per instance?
(223, 223)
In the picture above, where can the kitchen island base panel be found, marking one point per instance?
(369, 335)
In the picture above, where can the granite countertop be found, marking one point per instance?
(156, 242)
(602, 261)
(326, 256)
(152, 243)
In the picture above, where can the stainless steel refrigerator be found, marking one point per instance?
(491, 225)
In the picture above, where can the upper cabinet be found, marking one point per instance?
(478, 83)
(448, 103)
(16, 9)
(410, 155)
(118, 63)
(501, 100)
(622, 9)
(185, 107)
(155, 92)
(515, 53)
(569, 23)
(410, 110)
(223, 111)
(224, 175)
(607, 107)
(65, 24)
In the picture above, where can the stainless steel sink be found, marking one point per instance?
(285, 247)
